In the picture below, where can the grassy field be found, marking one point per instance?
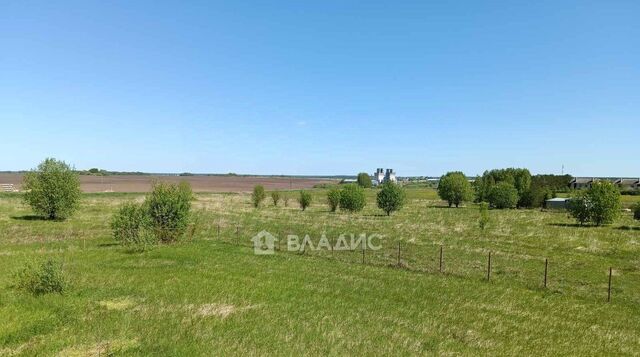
(213, 296)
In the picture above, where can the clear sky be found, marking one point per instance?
(322, 87)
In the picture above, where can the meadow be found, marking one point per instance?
(211, 295)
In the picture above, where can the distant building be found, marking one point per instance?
(628, 183)
(381, 176)
(557, 203)
(578, 183)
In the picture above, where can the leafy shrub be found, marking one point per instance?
(258, 196)
(503, 195)
(333, 199)
(53, 189)
(636, 211)
(44, 278)
(600, 204)
(304, 199)
(364, 180)
(483, 221)
(275, 196)
(391, 198)
(131, 226)
(169, 206)
(455, 188)
(352, 198)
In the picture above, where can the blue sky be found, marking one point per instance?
(325, 87)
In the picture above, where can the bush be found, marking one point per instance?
(38, 279)
(483, 221)
(455, 188)
(391, 198)
(53, 189)
(503, 195)
(275, 196)
(169, 207)
(352, 198)
(364, 180)
(600, 204)
(333, 199)
(636, 211)
(304, 199)
(258, 196)
(131, 226)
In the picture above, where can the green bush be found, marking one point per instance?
(364, 180)
(600, 204)
(53, 189)
(636, 211)
(333, 199)
(131, 226)
(275, 196)
(391, 198)
(455, 188)
(258, 196)
(44, 278)
(304, 200)
(169, 207)
(352, 198)
(503, 195)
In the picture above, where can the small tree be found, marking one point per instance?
(131, 226)
(455, 188)
(503, 195)
(333, 199)
(483, 221)
(169, 207)
(304, 199)
(258, 196)
(604, 199)
(364, 180)
(275, 196)
(391, 198)
(352, 198)
(579, 207)
(53, 189)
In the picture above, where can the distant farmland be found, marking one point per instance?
(142, 183)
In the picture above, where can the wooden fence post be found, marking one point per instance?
(441, 259)
(489, 268)
(609, 290)
(398, 253)
(546, 269)
(362, 255)
(218, 231)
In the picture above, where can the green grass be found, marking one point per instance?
(214, 296)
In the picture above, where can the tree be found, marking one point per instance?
(391, 198)
(454, 188)
(275, 196)
(604, 199)
(169, 209)
(520, 179)
(503, 195)
(333, 199)
(53, 189)
(304, 199)
(258, 196)
(600, 204)
(364, 180)
(352, 198)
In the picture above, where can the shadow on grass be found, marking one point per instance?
(31, 217)
(107, 245)
(628, 228)
(571, 225)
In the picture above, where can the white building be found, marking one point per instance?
(381, 176)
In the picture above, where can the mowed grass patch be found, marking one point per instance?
(211, 296)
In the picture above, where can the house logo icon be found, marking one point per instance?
(263, 243)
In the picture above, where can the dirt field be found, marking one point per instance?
(142, 183)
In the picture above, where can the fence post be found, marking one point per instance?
(440, 259)
(609, 290)
(362, 255)
(546, 268)
(489, 267)
(218, 231)
(237, 234)
(398, 253)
